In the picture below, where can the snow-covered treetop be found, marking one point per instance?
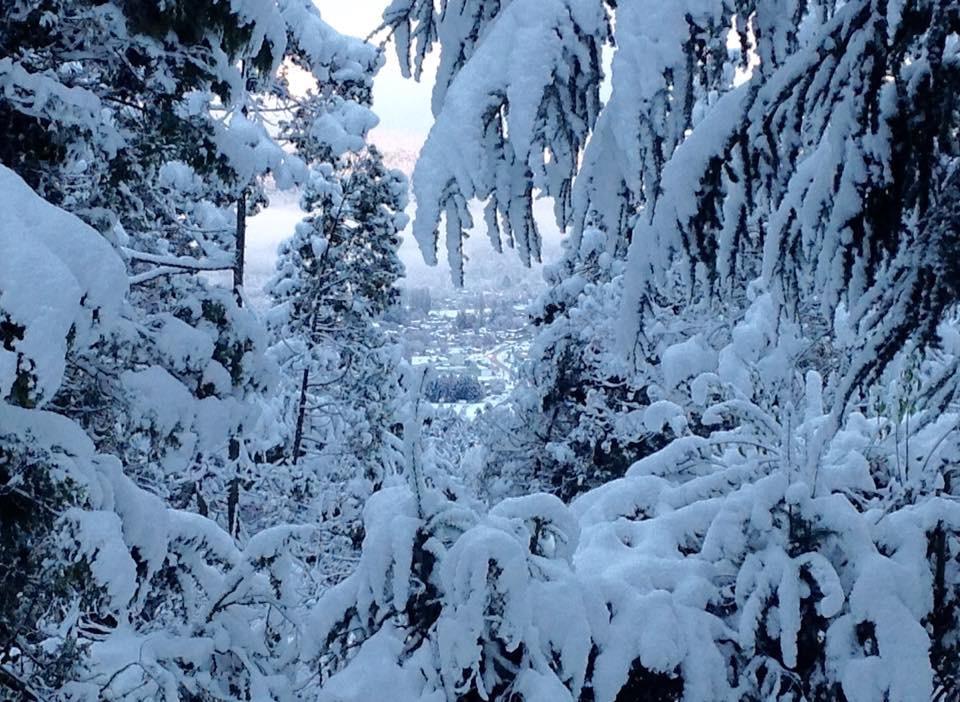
(268, 32)
(94, 78)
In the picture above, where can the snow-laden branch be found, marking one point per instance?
(180, 262)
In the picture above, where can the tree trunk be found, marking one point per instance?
(241, 244)
(20, 687)
(233, 491)
(301, 414)
(941, 619)
(202, 508)
(233, 487)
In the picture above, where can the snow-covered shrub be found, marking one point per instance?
(754, 556)
(705, 573)
(34, 488)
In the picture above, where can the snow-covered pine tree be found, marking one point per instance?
(159, 141)
(336, 277)
(572, 422)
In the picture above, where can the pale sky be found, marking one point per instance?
(402, 105)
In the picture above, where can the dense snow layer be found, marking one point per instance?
(515, 582)
(62, 290)
(60, 282)
(707, 566)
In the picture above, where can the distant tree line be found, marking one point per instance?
(454, 387)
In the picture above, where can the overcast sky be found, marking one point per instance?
(402, 105)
